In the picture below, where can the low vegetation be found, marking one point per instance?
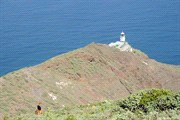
(91, 74)
(146, 104)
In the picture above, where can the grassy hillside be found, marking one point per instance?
(148, 105)
(91, 74)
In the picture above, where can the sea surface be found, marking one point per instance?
(32, 31)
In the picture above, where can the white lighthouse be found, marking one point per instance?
(121, 44)
(122, 37)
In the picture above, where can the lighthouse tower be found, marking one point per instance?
(122, 37)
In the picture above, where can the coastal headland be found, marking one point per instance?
(91, 74)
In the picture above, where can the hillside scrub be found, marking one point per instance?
(146, 104)
(151, 100)
(90, 74)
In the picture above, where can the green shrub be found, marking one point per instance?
(153, 95)
(71, 117)
(5, 118)
(167, 102)
(149, 100)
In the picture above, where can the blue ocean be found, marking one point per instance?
(32, 31)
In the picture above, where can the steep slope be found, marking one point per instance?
(93, 73)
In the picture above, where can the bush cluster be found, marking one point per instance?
(151, 100)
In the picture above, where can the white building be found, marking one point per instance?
(121, 44)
